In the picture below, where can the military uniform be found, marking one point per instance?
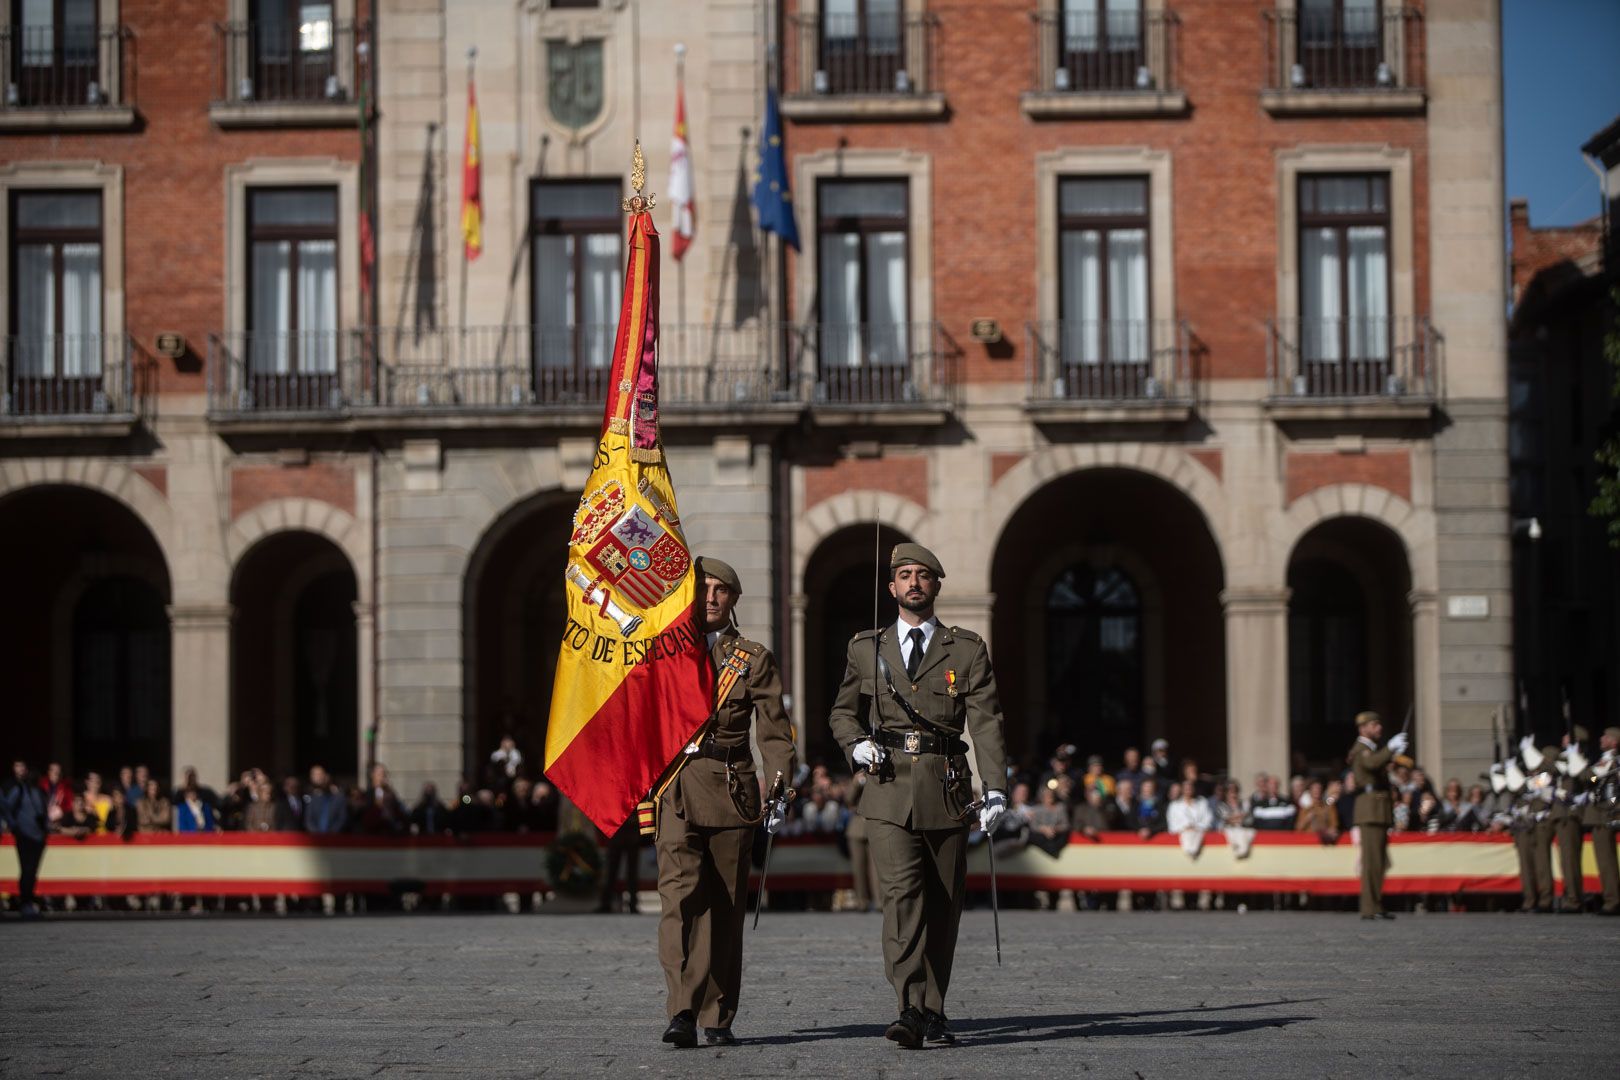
(916, 807)
(1374, 814)
(1598, 816)
(1540, 802)
(706, 822)
(1566, 824)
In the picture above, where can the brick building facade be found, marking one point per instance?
(1176, 330)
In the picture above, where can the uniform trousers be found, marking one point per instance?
(921, 876)
(1569, 858)
(1541, 859)
(1608, 865)
(1374, 864)
(703, 889)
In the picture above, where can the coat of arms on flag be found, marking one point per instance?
(634, 546)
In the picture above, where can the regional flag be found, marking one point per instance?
(680, 180)
(472, 172)
(634, 678)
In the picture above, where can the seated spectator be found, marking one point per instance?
(1190, 775)
(1299, 791)
(1403, 810)
(1158, 763)
(1059, 765)
(78, 822)
(1189, 817)
(1451, 803)
(194, 814)
(505, 762)
(1317, 815)
(1232, 816)
(547, 804)
(204, 792)
(429, 816)
(384, 803)
(1268, 809)
(518, 810)
(1049, 822)
(291, 801)
(1132, 768)
(325, 808)
(1149, 820)
(1123, 813)
(1094, 816)
(126, 784)
(58, 792)
(97, 803)
(154, 813)
(120, 815)
(474, 812)
(1473, 814)
(138, 791)
(1430, 814)
(1095, 777)
(262, 813)
(821, 813)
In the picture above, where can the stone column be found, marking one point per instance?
(1427, 742)
(1256, 680)
(797, 604)
(200, 659)
(365, 625)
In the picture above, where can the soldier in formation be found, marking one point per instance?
(1374, 807)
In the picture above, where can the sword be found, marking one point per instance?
(765, 870)
(995, 903)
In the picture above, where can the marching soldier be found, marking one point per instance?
(1599, 813)
(1541, 797)
(1374, 807)
(706, 820)
(1566, 821)
(909, 693)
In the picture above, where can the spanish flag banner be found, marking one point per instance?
(472, 176)
(634, 678)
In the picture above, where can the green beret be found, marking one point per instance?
(1581, 734)
(720, 571)
(1611, 733)
(1364, 718)
(907, 554)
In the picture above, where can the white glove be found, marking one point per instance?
(1399, 741)
(869, 754)
(995, 804)
(1527, 744)
(775, 814)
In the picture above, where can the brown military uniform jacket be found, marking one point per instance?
(1595, 812)
(708, 792)
(954, 691)
(1369, 768)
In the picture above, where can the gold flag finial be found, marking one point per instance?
(638, 180)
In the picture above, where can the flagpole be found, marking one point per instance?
(680, 264)
(472, 56)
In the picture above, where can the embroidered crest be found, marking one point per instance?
(630, 546)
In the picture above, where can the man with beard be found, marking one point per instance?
(909, 693)
(706, 820)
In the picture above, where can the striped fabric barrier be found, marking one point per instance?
(297, 864)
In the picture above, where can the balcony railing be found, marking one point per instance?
(1081, 52)
(77, 67)
(1371, 358)
(301, 371)
(873, 364)
(1110, 362)
(868, 54)
(262, 64)
(68, 376)
(1338, 49)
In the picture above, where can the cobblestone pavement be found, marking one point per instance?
(1284, 995)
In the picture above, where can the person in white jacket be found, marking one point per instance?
(1189, 819)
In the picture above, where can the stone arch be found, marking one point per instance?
(303, 515)
(117, 481)
(845, 509)
(1415, 530)
(1169, 464)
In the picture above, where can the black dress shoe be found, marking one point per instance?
(936, 1029)
(908, 1030)
(682, 1030)
(1390, 915)
(719, 1037)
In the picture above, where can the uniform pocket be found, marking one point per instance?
(957, 779)
(744, 787)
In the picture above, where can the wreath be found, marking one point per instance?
(574, 864)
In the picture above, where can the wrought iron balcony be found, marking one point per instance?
(279, 74)
(66, 76)
(877, 64)
(69, 377)
(1359, 359)
(1332, 57)
(874, 365)
(1109, 363)
(1116, 62)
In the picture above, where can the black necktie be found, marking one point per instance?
(914, 661)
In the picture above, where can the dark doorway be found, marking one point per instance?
(120, 675)
(1094, 656)
(295, 686)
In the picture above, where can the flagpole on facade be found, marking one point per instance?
(472, 57)
(680, 264)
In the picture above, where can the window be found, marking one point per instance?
(861, 253)
(292, 45)
(56, 299)
(292, 290)
(863, 46)
(53, 50)
(1344, 279)
(1103, 269)
(1094, 657)
(1340, 42)
(578, 267)
(1101, 44)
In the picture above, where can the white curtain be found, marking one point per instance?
(601, 300)
(36, 312)
(883, 26)
(272, 308)
(1368, 285)
(839, 19)
(81, 309)
(1319, 294)
(38, 32)
(1082, 297)
(1361, 23)
(553, 309)
(1127, 296)
(886, 298)
(1080, 28)
(840, 300)
(317, 307)
(1124, 24)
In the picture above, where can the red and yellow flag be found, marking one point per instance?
(634, 678)
(472, 172)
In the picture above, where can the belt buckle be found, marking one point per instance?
(913, 742)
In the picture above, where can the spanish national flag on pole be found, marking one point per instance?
(634, 678)
(472, 172)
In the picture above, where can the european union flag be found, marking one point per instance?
(772, 197)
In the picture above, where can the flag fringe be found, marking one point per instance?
(646, 457)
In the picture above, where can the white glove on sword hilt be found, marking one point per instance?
(775, 814)
(868, 754)
(995, 804)
(1399, 741)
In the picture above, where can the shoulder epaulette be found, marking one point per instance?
(968, 634)
(865, 634)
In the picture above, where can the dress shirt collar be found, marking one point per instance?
(904, 629)
(1368, 743)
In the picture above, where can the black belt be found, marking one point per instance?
(919, 742)
(727, 754)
